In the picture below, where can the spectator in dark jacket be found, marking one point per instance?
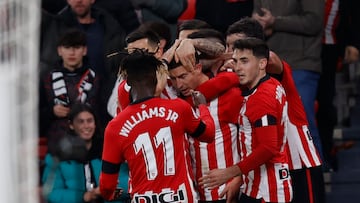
(71, 81)
(104, 36)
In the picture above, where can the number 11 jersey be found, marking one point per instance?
(151, 136)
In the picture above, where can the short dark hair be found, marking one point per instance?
(72, 38)
(73, 147)
(153, 38)
(193, 24)
(259, 47)
(140, 66)
(77, 108)
(173, 64)
(248, 26)
(161, 29)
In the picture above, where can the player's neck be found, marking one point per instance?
(141, 93)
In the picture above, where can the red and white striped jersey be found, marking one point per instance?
(301, 149)
(262, 122)
(124, 94)
(224, 151)
(150, 136)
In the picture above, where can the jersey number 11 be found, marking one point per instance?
(162, 138)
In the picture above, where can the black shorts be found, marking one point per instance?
(246, 199)
(308, 185)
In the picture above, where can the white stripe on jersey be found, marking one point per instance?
(296, 148)
(218, 134)
(264, 120)
(280, 190)
(204, 164)
(235, 139)
(264, 184)
(293, 140)
(127, 87)
(190, 179)
(247, 131)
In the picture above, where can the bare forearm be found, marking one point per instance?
(209, 47)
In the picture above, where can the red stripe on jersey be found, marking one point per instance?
(255, 183)
(212, 163)
(271, 175)
(310, 186)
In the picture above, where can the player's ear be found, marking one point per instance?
(198, 67)
(263, 63)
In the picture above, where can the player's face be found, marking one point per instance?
(248, 68)
(72, 56)
(230, 40)
(183, 80)
(84, 125)
(81, 7)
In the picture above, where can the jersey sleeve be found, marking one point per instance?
(266, 149)
(112, 103)
(218, 85)
(111, 160)
(286, 79)
(200, 127)
(123, 96)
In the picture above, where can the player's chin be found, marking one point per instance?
(242, 78)
(186, 92)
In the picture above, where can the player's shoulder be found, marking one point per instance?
(123, 86)
(117, 120)
(269, 91)
(177, 103)
(232, 96)
(234, 91)
(269, 85)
